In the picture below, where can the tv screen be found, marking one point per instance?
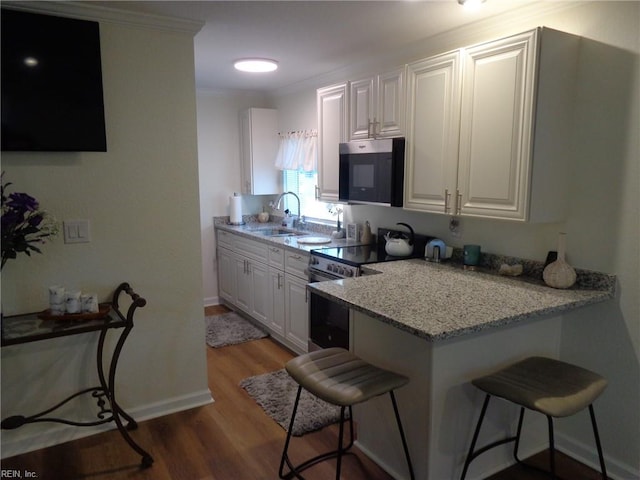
(51, 83)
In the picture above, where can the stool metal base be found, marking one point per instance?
(552, 472)
(295, 470)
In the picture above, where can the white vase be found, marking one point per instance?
(559, 274)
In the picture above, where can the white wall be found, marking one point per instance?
(219, 166)
(142, 200)
(603, 225)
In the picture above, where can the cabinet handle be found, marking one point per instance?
(317, 192)
(279, 285)
(458, 202)
(275, 250)
(296, 257)
(374, 127)
(447, 200)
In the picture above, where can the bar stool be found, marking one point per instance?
(554, 388)
(338, 377)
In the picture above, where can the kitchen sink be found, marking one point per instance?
(276, 232)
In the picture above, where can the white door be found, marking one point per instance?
(226, 275)
(391, 104)
(297, 311)
(496, 127)
(276, 292)
(332, 127)
(261, 298)
(433, 106)
(361, 109)
(243, 283)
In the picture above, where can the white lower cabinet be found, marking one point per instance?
(296, 311)
(260, 298)
(271, 291)
(227, 283)
(277, 294)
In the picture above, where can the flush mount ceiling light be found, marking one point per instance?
(471, 3)
(256, 65)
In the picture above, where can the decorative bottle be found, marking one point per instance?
(559, 274)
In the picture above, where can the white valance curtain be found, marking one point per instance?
(298, 151)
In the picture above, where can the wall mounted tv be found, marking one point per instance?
(51, 83)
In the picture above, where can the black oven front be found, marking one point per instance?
(328, 320)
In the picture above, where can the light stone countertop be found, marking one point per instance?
(439, 301)
(250, 230)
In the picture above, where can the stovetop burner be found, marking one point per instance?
(358, 255)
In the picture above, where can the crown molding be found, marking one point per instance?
(86, 11)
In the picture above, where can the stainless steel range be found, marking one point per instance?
(329, 321)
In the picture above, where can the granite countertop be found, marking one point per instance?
(440, 301)
(249, 230)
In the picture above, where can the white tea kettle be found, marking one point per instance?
(399, 244)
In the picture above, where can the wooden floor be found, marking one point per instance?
(229, 439)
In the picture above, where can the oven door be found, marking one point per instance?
(328, 320)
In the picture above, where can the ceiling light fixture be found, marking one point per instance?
(255, 65)
(471, 3)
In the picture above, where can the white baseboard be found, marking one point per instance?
(587, 454)
(211, 301)
(59, 433)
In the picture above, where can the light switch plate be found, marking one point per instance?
(76, 231)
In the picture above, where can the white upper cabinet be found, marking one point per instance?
(515, 115)
(376, 107)
(259, 142)
(332, 130)
(433, 107)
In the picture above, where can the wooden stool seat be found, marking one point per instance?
(549, 386)
(338, 377)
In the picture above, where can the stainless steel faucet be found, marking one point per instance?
(279, 199)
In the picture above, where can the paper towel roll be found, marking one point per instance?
(235, 209)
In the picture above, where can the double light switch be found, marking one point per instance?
(76, 231)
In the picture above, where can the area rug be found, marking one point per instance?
(230, 329)
(276, 392)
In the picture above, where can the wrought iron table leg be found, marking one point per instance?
(118, 412)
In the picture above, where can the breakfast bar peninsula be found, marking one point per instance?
(442, 326)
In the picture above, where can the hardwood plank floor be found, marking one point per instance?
(229, 439)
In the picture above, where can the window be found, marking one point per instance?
(304, 184)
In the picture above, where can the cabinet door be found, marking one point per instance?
(259, 130)
(361, 108)
(433, 106)
(243, 283)
(389, 118)
(260, 298)
(496, 128)
(332, 127)
(226, 275)
(297, 311)
(276, 291)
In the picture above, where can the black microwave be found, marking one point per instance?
(372, 171)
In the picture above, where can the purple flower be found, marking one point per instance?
(23, 224)
(22, 201)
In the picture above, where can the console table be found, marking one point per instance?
(30, 328)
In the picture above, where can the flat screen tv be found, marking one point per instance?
(51, 83)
